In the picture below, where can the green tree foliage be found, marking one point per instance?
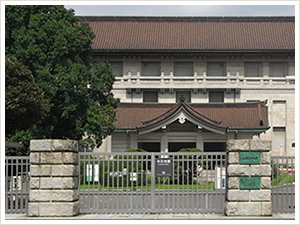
(55, 46)
(23, 100)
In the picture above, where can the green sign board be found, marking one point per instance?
(249, 157)
(249, 183)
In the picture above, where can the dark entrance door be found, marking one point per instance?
(176, 146)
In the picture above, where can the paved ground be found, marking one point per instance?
(279, 216)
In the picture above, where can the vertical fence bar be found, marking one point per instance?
(152, 182)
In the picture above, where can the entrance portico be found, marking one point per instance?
(170, 127)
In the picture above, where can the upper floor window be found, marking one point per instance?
(215, 69)
(151, 69)
(252, 69)
(117, 68)
(278, 69)
(183, 69)
(216, 96)
(183, 94)
(150, 96)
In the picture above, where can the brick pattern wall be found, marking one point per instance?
(252, 201)
(54, 178)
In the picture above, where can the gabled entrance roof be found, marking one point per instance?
(181, 112)
(216, 117)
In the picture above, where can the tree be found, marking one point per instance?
(23, 100)
(55, 46)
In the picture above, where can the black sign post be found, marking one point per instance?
(163, 167)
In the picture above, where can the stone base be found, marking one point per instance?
(248, 209)
(53, 208)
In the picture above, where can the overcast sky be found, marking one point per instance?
(183, 10)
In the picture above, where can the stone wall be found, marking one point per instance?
(251, 198)
(54, 178)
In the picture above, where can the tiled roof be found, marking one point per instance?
(243, 116)
(131, 34)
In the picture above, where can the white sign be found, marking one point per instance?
(89, 172)
(133, 176)
(96, 172)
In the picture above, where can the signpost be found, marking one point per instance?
(163, 167)
(249, 158)
(249, 183)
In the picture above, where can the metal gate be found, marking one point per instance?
(152, 182)
(283, 184)
(16, 184)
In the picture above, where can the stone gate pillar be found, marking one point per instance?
(54, 178)
(248, 178)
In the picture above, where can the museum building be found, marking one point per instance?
(199, 81)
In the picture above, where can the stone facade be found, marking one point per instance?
(252, 201)
(54, 178)
(278, 91)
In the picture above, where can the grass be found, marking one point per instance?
(283, 179)
(148, 187)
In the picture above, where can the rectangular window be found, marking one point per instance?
(278, 69)
(185, 94)
(253, 101)
(183, 69)
(117, 68)
(216, 69)
(150, 96)
(216, 96)
(252, 69)
(151, 69)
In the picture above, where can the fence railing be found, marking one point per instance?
(16, 184)
(152, 182)
(283, 184)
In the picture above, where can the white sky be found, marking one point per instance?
(183, 10)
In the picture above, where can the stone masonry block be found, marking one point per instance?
(53, 195)
(33, 209)
(40, 170)
(238, 195)
(65, 145)
(266, 170)
(233, 182)
(260, 170)
(55, 209)
(70, 158)
(64, 170)
(255, 170)
(238, 170)
(266, 209)
(34, 157)
(53, 145)
(243, 208)
(260, 145)
(265, 182)
(265, 157)
(35, 183)
(40, 145)
(233, 158)
(237, 145)
(260, 195)
(58, 182)
(51, 157)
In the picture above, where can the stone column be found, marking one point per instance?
(54, 178)
(248, 178)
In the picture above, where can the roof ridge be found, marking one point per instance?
(191, 18)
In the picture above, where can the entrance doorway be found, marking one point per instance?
(176, 146)
(214, 146)
(149, 146)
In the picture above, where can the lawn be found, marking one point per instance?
(283, 179)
